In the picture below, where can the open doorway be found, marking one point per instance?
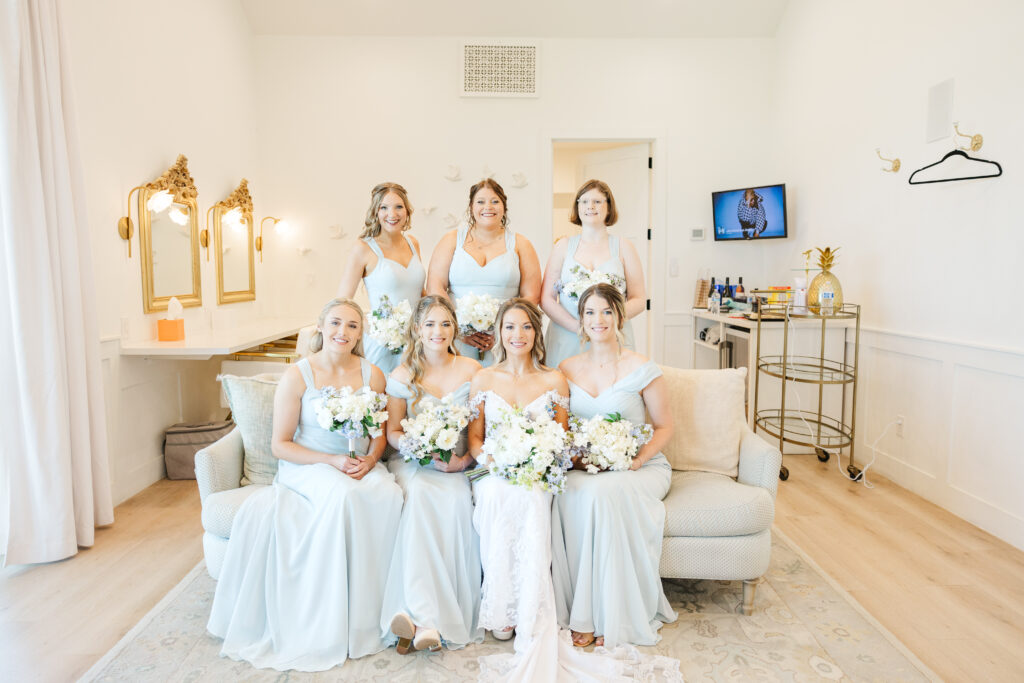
(625, 166)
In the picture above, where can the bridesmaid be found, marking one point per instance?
(303, 577)
(387, 260)
(607, 527)
(593, 249)
(433, 587)
(484, 257)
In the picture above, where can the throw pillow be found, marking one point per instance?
(252, 407)
(708, 408)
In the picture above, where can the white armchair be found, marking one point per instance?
(718, 522)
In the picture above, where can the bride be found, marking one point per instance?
(514, 524)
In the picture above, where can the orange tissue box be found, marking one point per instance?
(170, 330)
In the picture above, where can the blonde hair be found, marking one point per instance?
(316, 342)
(492, 185)
(371, 226)
(602, 187)
(414, 359)
(617, 302)
(538, 352)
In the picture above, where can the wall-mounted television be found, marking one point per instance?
(750, 213)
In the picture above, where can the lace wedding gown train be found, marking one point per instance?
(514, 524)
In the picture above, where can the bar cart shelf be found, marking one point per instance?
(827, 434)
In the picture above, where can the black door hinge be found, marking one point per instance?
(650, 162)
(648, 304)
(648, 233)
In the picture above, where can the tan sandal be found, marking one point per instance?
(582, 639)
(427, 639)
(402, 626)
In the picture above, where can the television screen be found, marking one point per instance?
(750, 213)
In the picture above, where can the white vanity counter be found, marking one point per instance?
(206, 344)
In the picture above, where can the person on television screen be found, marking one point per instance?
(750, 212)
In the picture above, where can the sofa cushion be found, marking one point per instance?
(713, 505)
(252, 407)
(708, 410)
(219, 509)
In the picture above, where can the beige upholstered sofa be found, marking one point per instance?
(721, 504)
(719, 509)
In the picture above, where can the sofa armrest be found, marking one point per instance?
(219, 465)
(759, 462)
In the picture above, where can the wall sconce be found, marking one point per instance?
(281, 227)
(894, 164)
(176, 178)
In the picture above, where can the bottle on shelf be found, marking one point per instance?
(711, 292)
(727, 294)
(740, 294)
(828, 297)
(716, 302)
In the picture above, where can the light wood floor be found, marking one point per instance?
(952, 593)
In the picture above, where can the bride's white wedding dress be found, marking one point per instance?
(514, 524)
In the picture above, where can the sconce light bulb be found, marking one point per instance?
(282, 227)
(178, 216)
(160, 201)
(233, 218)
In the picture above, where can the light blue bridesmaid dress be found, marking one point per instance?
(560, 342)
(389, 277)
(303, 577)
(607, 532)
(499, 278)
(435, 570)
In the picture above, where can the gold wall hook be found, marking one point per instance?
(894, 164)
(976, 140)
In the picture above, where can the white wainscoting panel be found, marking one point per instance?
(677, 340)
(963, 438)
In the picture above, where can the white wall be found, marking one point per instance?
(936, 267)
(151, 81)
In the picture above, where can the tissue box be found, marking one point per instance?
(170, 330)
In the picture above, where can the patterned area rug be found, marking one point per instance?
(804, 628)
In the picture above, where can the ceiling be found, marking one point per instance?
(518, 19)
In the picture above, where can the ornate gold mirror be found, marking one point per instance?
(169, 238)
(233, 243)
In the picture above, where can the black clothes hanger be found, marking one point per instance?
(960, 153)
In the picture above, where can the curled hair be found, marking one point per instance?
(602, 187)
(413, 359)
(492, 185)
(538, 352)
(316, 342)
(615, 300)
(371, 226)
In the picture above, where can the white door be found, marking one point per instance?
(627, 173)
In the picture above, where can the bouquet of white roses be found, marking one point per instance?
(354, 414)
(388, 322)
(476, 313)
(582, 279)
(526, 451)
(607, 442)
(435, 429)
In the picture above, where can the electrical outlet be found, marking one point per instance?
(899, 425)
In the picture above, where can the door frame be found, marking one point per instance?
(658, 141)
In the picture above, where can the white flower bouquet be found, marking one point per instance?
(354, 414)
(526, 451)
(476, 313)
(582, 279)
(435, 429)
(388, 322)
(607, 442)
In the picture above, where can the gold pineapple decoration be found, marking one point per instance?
(825, 280)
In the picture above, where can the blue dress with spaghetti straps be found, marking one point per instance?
(435, 571)
(562, 343)
(499, 278)
(303, 577)
(398, 283)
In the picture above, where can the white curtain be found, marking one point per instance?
(54, 482)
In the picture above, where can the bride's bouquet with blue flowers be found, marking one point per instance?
(388, 322)
(526, 451)
(353, 414)
(582, 279)
(434, 430)
(607, 442)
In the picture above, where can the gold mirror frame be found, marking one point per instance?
(242, 200)
(178, 181)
